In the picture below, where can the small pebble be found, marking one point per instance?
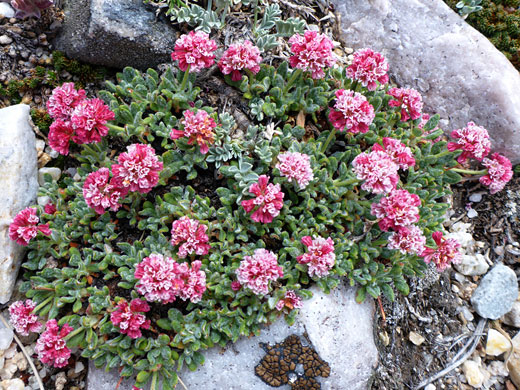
(6, 10)
(472, 372)
(497, 343)
(5, 40)
(416, 338)
(472, 213)
(431, 386)
(475, 198)
(54, 172)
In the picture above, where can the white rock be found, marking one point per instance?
(471, 265)
(416, 338)
(12, 384)
(54, 172)
(513, 317)
(347, 346)
(6, 10)
(18, 181)
(458, 71)
(5, 40)
(472, 213)
(476, 197)
(474, 376)
(43, 200)
(497, 343)
(40, 145)
(431, 386)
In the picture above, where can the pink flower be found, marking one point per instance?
(88, 120)
(138, 169)
(291, 300)
(235, 285)
(50, 208)
(399, 152)
(295, 166)
(408, 239)
(368, 67)
(378, 170)
(320, 256)
(198, 128)
(22, 318)
(473, 140)
(60, 134)
(63, 101)
(447, 252)
(25, 227)
(100, 193)
(129, 318)
(397, 210)
(238, 57)
(51, 347)
(256, 271)
(499, 172)
(409, 100)
(352, 112)
(192, 235)
(195, 51)
(312, 53)
(269, 199)
(162, 279)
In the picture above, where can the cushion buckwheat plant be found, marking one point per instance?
(182, 233)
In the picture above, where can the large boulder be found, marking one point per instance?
(115, 33)
(339, 329)
(460, 74)
(19, 184)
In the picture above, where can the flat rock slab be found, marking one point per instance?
(115, 33)
(18, 181)
(339, 329)
(460, 74)
(496, 293)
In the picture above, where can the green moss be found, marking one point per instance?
(41, 119)
(499, 21)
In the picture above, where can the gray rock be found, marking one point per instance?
(115, 33)
(18, 172)
(496, 293)
(339, 329)
(460, 74)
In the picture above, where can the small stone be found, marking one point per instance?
(6, 338)
(471, 265)
(40, 145)
(513, 363)
(54, 172)
(497, 343)
(12, 384)
(61, 380)
(43, 200)
(431, 386)
(472, 213)
(385, 339)
(475, 198)
(496, 293)
(416, 338)
(513, 317)
(6, 10)
(499, 250)
(79, 367)
(474, 376)
(5, 40)
(468, 315)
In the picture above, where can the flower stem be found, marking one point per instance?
(115, 128)
(154, 380)
(185, 79)
(42, 305)
(470, 171)
(327, 141)
(295, 74)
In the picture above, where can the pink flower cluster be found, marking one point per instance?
(295, 166)
(51, 347)
(291, 301)
(409, 239)
(22, 319)
(138, 169)
(191, 235)
(320, 256)
(368, 67)
(352, 112)
(499, 172)
(130, 318)
(101, 193)
(312, 53)
(198, 128)
(378, 170)
(238, 57)
(194, 50)
(76, 118)
(25, 227)
(473, 140)
(409, 100)
(162, 279)
(399, 152)
(50, 208)
(268, 201)
(447, 252)
(256, 271)
(397, 210)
